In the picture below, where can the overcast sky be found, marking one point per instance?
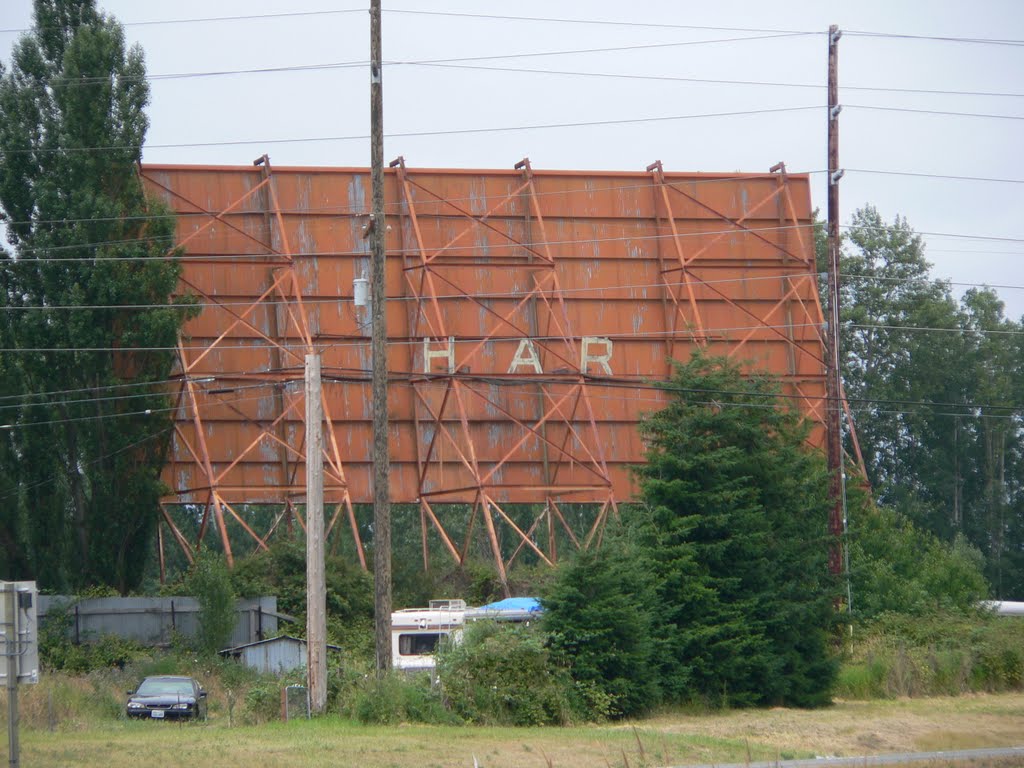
(648, 99)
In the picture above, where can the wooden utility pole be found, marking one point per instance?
(11, 649)
(316, 586)
(381, 457)
(833, 381)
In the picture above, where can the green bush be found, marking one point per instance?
(862, 680)
(58, 652)
(896, 567)
(263, 702)
(396, 698)
(281, 571)
(210, 583)
(945, 653)
(734, 526)
(503, 674)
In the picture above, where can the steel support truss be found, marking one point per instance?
(562, 423)
(681, 276)
(201, 385)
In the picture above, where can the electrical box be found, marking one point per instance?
(19, 635)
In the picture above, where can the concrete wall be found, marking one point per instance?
(154, 620)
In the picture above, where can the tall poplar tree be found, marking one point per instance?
(87, 323)
(935, 387)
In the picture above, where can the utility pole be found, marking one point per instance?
(11, 651)
(381, 457)
(316, 586)
(833, 381)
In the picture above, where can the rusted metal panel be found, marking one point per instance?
(563, 294)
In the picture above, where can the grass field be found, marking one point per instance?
(848, 728)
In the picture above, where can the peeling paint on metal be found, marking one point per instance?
(599, 229)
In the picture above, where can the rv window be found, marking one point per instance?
(418, 645)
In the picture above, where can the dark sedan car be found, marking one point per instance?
(168, 696)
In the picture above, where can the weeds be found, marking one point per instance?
(948, 654)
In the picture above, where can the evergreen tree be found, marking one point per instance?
(600, 615)
(736, 525)
(85, 301)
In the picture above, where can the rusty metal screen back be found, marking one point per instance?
(529, 315)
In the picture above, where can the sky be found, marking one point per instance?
(601, 85)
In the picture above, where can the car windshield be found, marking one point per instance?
(165, 688)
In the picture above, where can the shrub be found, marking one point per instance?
(263, 702)
(58, 652)
(899, 568)
(503, 674)
(397, 698)
(281, 571)
(938, 654)
(210, 583)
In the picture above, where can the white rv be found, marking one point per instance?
(416, 632)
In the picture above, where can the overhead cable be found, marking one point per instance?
(420, 134)
(600, 291)
(710, 81)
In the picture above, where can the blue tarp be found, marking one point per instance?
(518, 607)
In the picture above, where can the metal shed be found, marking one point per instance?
(275, 655)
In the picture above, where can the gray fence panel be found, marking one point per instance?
(155, 620)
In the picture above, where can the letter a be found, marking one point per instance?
(526, 355)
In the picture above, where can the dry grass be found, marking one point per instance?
(848, 728)
(868, 727)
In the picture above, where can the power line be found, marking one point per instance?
(94, 417)
(928, 281)
(360, 210)
(920, 175)
(325, 343)
(936, 38)
(610, 49)
(942, 112)
(120, 415)
(114, 398)
(555, 20)
(400, 11)
(48, 481)
(197, 20)
(606, 22)
(664, 385)
(505, 129)
(247, 258)
(415, 251)
(106, 388)
(994, 238)
(324, 66)
(422, 134)
(710, 81)
(935, 329)
(601, 291)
